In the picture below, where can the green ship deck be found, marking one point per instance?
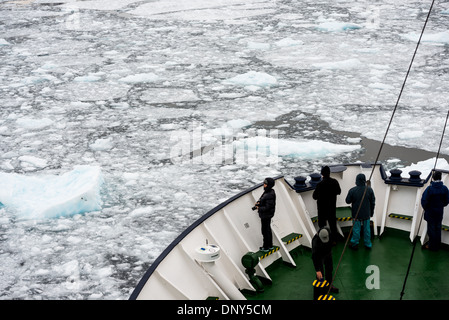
(391, 253)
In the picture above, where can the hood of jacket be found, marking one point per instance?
(360, 180)
(437, 184)
(270, 184)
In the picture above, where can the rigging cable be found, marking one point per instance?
(420, 221)
(402, 88)
(383, 142)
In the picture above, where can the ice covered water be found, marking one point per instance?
(113, 87)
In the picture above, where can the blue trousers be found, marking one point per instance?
(366, 233)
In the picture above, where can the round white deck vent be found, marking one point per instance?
(207, 253)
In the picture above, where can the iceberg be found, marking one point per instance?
(50, 196)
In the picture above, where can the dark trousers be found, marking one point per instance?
(434, 233)
(328, 268)
(266, 233)
(332, 219)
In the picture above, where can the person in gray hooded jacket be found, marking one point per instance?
(361, 217)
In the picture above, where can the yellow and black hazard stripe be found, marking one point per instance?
(262, 256)
(400, 216)
(326, 297)
(320, 283)
(344, 219)
(291, 237)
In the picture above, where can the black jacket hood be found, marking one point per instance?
(360, 180)
(270, 183)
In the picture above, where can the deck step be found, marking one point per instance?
(291, 237)
(400, 216)
(344, 214)
(344, 218)
(263, 254)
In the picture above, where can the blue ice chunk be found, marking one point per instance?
(50, 196)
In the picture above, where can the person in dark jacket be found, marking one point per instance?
(266, 207)
(325, 194)
(322, 256)
(433, 201)
(362, 216)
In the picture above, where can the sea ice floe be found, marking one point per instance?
(141, 77)
(425, 167)
(89, 78)
(50, 196)
(238, 123)
(99, 5)
(411, 134)
(339, 65)
(168, 95)
(288, 42)
(253, 78)
(33, 80)
(90, 91)
(258, 45)
(437, 38)
(31, 163)
(307, 149)
(33, 123)
(204, 10)
(102, 145)
(335, 26)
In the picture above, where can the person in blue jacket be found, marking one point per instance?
(362, 216)
(433, 201)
